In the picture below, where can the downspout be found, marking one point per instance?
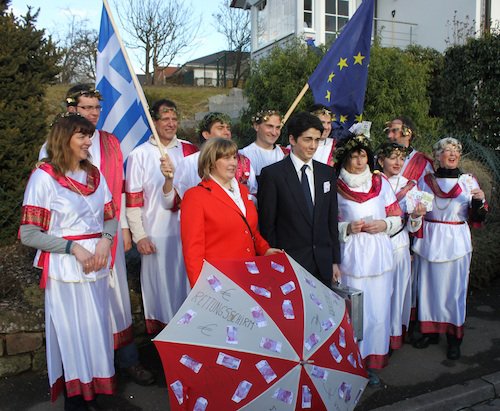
(487, 16)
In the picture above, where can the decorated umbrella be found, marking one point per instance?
(261, 335)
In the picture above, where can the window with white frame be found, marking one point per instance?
(336, 16)
(308, 14)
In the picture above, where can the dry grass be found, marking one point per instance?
(190, 100)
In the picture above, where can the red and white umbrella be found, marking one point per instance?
(261, 335)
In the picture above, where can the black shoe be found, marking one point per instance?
(453, 352)
(373, 378)
(139, 374)
(76, 403)
(426, 340)
(93, 406)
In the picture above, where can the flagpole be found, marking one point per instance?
(294, 104)
(137, 85)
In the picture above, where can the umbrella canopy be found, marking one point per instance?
(261, 334)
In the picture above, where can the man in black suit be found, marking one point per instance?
(297, 200)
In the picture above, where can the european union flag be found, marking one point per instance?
(122, 111)
(339, 81)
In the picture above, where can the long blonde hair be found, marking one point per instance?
(58, 143)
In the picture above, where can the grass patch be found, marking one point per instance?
(189, 100)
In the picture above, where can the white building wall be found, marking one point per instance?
(495, 14)
(428, 23)
(434, 20)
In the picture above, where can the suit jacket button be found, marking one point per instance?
(246, 231)
(248, 250)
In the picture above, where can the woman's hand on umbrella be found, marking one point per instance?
(271, 251)
(374, 226)
(336, 274)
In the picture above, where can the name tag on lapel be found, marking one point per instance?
(326, 187)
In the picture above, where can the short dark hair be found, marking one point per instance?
(303, 121)
(78, 90)
(407, 124)
(209, 120)
(155, 108)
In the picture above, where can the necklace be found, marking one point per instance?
(442, 208)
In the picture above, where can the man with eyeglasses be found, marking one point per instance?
(105, 153)
(214, 124)
(401, 130)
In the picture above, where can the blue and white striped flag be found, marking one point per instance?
(122, 111)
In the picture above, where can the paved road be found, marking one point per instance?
(420, 380)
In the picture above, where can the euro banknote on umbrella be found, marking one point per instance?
(261, 334)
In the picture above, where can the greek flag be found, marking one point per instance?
(122, 111)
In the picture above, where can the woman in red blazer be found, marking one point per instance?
(218, 220)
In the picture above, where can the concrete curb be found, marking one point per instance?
(455, 398)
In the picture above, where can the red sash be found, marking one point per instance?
(331, 159)
(402, 193)
(430, 179)
(188, 148)
(344, 190)
(93, 180)
(416, 166)
(112, 170)
(43, 260)
(285, 150)
(243, 169)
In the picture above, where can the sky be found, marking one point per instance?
(55, 18)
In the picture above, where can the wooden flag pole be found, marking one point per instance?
(137, 85)
(294, 104)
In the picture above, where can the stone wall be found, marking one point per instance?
(22, 334)
(22, 340)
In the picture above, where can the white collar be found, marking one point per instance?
(298, 163)
(356, 180)
(173, 143)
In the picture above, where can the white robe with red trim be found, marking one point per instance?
(79, 339)
(367, 262)
(260, 158)
(401, 300)
(164, 280)
(121, 314)
(442, 259)
(323, 153)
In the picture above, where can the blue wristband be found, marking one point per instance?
(68, 246)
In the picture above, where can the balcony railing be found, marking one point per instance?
(394, 33)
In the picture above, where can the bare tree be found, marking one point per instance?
(161, 29)
(78, 49)
(234, 24)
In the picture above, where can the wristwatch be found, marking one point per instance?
(107, 236)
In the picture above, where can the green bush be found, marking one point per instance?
(468, 100)
(27, 66)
